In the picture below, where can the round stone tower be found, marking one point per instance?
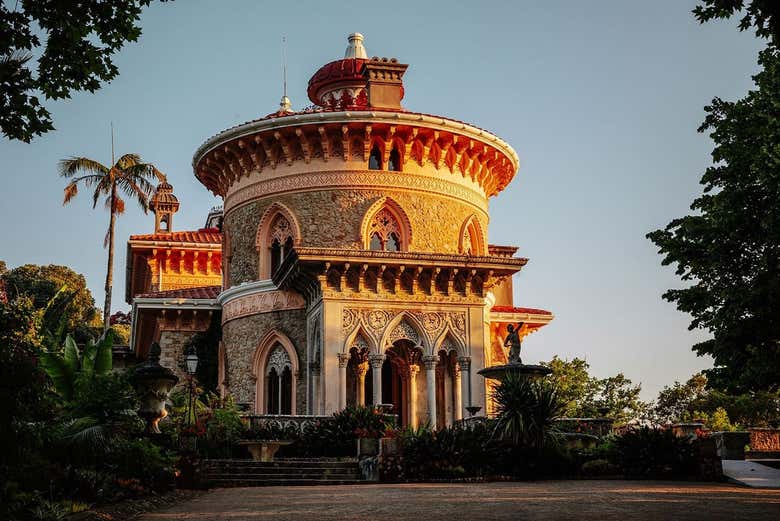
(356, 263)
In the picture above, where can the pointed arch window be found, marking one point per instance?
(375, 159)
(394, 161)
(278, 375)
(281, 241)
(385, 232)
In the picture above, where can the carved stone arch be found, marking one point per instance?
(404, 225)
(396, 144)
(423, 342)
(260, 359)
(472, 237)
(449, 336)
(264, 230)
(358, 333)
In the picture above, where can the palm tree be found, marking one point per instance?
(129, 176)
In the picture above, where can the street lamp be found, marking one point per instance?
(192, 366)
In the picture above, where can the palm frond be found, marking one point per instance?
(127, 160)
(137, 188)
(71, 191)
(73, 165)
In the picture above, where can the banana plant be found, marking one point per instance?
(68, 368)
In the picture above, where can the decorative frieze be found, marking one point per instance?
(264, 302)
(356, 179)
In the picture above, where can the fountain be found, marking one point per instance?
(515, 366)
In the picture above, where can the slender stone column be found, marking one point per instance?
(413, 370)
(360, 372)
(343, 361)
(376, 362)
(458, 391)
(314, 369)
(465, 381)
(430, 381)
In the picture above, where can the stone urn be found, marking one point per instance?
(153, 384)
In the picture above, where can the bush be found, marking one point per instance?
(599, 467)
(655, 454)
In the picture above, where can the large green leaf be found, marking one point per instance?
(103, 353)
(56, 367)
(88, 359)
(70, 357)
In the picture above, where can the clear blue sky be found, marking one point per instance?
(601, 100)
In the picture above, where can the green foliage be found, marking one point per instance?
(729, 249)
(655, 454)
(759, 14)
(599, 468)
(693, 399)
(68, 369)
(585, 396)
(75, 48)
(57, 289)
(718, 420)
(526, 411)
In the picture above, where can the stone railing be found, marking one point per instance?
(592, 426)
(764, 439)
(283, 422)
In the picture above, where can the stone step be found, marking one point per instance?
(280, 463)
(282, 482)
(285, 475)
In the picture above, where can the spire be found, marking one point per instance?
(284, 105)
(355, 48)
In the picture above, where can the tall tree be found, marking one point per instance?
(42, 284)
(129, 176)
(79, 40)
(729, 249)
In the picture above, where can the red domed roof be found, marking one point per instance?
(344, 70)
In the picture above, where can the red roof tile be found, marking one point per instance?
(203, 236)
(200, 293)
(510, 309)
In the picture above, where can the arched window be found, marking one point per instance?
(281, 241)
(471, 241)
(394, 161)
(385, 231)
(278, 376)
(375, 159)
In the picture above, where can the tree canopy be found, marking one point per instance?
(729, 249)
(42, 283)
(76, 42)
(585, 396)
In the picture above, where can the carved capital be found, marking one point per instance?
(413, 370)
(430, 362)
(343, 360)
(464, 362)
(376, 361)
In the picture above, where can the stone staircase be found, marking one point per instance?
(297, 471)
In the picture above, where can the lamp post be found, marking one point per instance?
(192, 366)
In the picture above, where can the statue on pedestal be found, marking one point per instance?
(514, 343)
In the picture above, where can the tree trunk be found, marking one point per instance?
(110, 268)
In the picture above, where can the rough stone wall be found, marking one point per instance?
(333, 218)
(242, 337)
(172, 344)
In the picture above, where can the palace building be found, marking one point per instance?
(350, 262)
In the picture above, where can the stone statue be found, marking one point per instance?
(514, 343)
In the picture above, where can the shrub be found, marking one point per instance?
(599, 467)
(651, 454)
(526, 412)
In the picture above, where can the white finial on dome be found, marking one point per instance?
(285, 105)
(355, 48)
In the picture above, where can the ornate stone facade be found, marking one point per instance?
(356, 267)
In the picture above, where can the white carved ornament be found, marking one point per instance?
(278, 360)
(281, 230)
(384, 223)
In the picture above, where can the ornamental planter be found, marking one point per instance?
(731, 444)
(153, 384)
(367, 447)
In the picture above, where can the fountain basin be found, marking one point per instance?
(500, 372)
